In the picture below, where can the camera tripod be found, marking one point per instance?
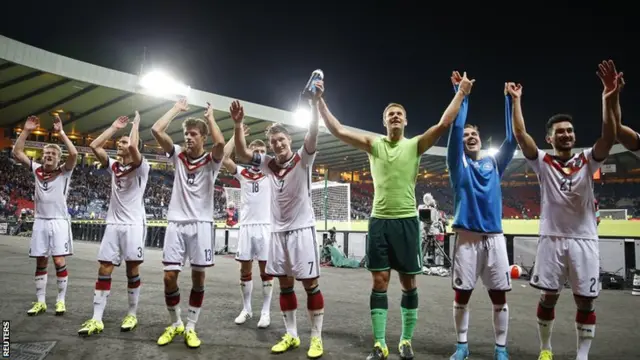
(430, 246)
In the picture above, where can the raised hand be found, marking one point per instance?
(121, 122)
(455, 78)
(246, 129)
(182, 105)
(57, 123)
(136, 118)
(208, 112)
(237, 112)
(513, 89)
(610, 78)
(319, 84)
(32, 123)
(465, 83)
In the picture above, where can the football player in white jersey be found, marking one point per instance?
(293, 249)
(255, 229)
(190, 231)
(125, 233)
(52, 227)
(568, 247)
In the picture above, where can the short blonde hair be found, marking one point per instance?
(54, 146)
(197, 123)
(277, 128)
(394, 105)
(257, 143)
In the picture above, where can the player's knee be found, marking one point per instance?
(407, 281)
(498, 297)
(133, 268)
(462, 297)
(59, 261)
(286, 282)
(42, 262)
(170, 279)
(198, 276)
(310, 284)
(245, 275)
(584, 304)
(549, 299)
(105, 268)
(380, 280)
(245, 268)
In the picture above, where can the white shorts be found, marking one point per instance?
(51, 237)
(122, 242)
(253, 242)
(559, 259)
(480, 256)
(193, 240)
(294, 253)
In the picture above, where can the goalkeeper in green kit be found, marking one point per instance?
(394, 228)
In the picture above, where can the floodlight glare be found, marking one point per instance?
(159, 83)
(302, 117)
(492, 151)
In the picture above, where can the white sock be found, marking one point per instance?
(174, 310)
(99, 303)
(585, 334)
(289, 317)
(192, 317)
(316, 318)
(63, 279)
(461, 321)
(501, 323)
(134, 297)
(41, 285)
(267, 293)
(247, 289)
(545, 328)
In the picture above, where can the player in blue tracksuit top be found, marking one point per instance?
(480, 249)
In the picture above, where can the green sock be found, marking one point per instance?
(379, 307)
(409, 307)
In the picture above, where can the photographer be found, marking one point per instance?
(433, 229)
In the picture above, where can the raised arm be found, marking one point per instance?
(134, 139)
(72, 152)
(229, 164)
(507, 149)
(526, 142)
(358, 140)
(455, 147)
(97, 145)
(18, 154)
(217, 151)
(311, 139)
(628, 137)
(242, 151)
(159, 129)
(433, 134)
(610, 99)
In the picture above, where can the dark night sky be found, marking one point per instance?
(264, 51)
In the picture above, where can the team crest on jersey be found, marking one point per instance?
(194, 164)
(120, 170)
(45, 176)
(282, 171)
(569, 167)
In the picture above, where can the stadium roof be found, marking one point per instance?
(90, 97)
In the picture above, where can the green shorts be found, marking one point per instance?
(394, 244)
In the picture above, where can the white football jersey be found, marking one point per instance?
(567, 206)
(291, 206)
(51, 190)
(255, 190)
(193, 186)
(127, 193)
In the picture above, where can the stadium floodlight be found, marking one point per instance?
(160, 83)
(493, 151)
(302, 117)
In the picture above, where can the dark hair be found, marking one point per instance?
(277, 128)
(558, 118)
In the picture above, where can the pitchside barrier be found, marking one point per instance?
(618, 255)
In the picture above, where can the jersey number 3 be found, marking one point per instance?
(566, 185)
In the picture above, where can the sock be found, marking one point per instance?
(267, 293)
(195, 304)
(41, 284)
(585, 330)
(315, 306)
(246, 285)
(379, 304)
(63, 276)
(133, 292)
(546, 315)
(172, 300)
(500, 323)
(288, 306)
(100, 295)
(409, 307)
(461, 321)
